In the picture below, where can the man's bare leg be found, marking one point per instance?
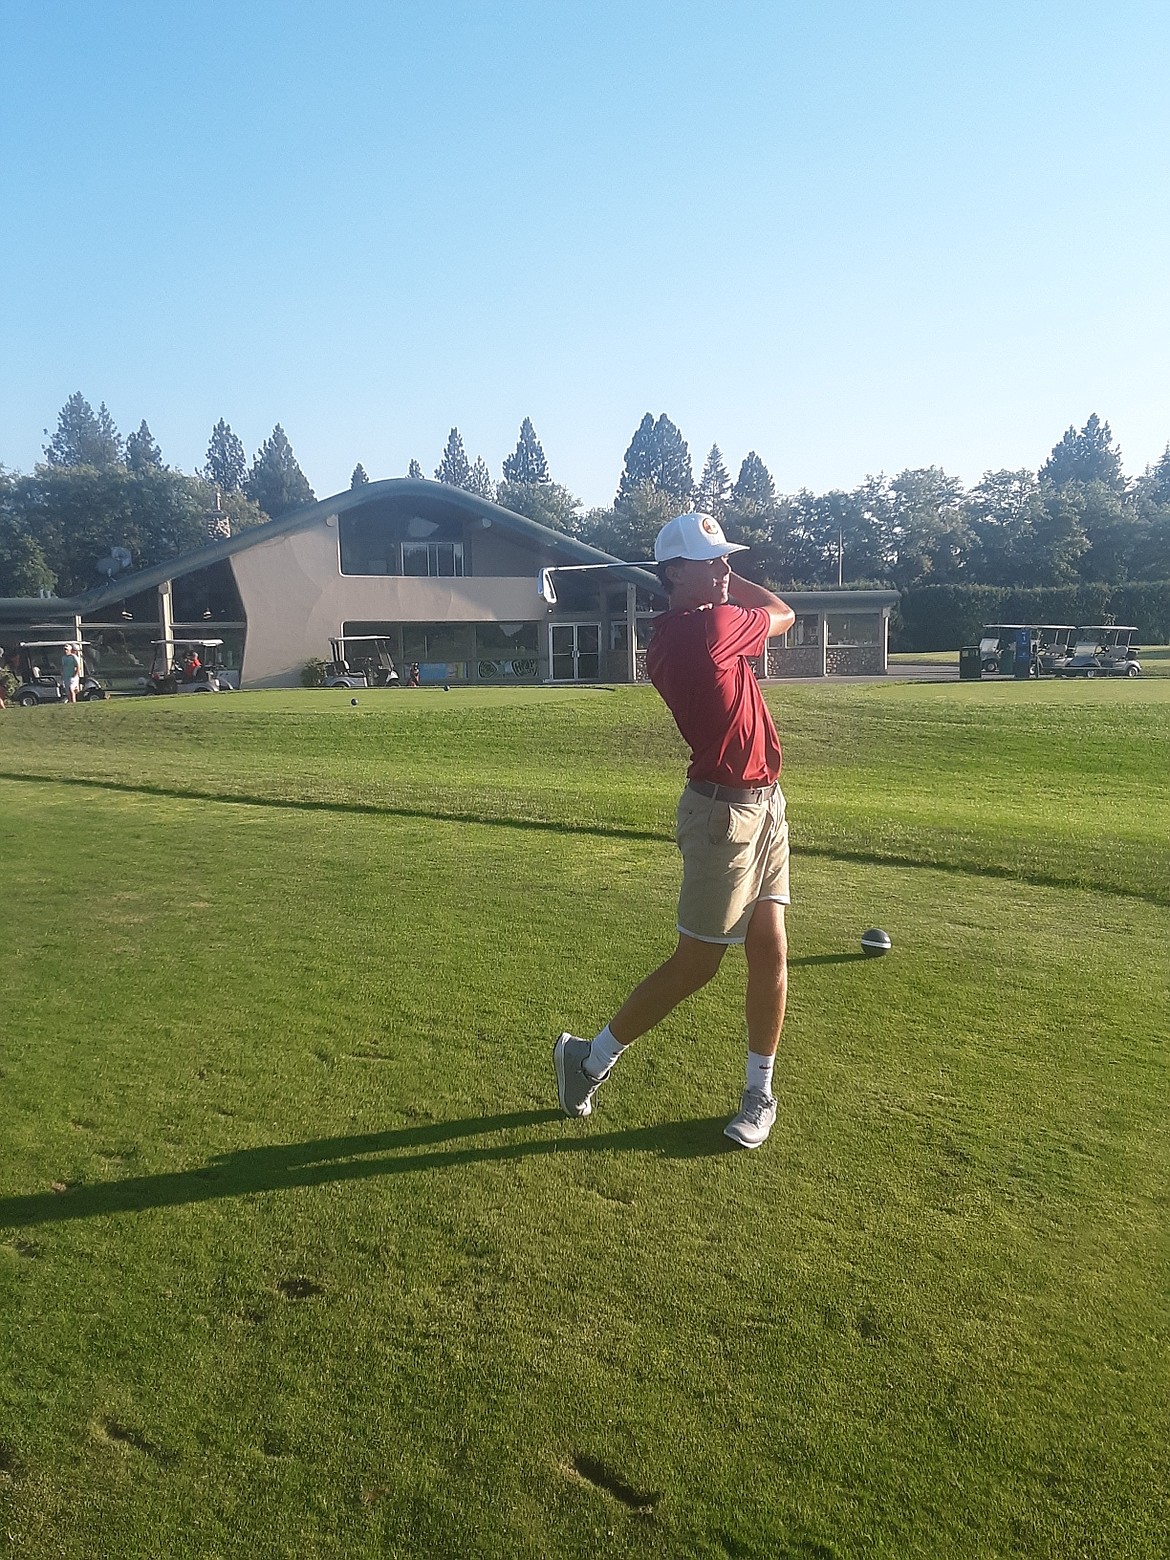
(767, 989)
(766, 948)
(689, 968)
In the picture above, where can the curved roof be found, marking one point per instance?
(426, 494)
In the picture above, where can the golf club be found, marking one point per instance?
(546, 590)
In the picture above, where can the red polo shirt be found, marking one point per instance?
(698, 661)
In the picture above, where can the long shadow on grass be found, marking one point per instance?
(356, 809)
(828, 958)
(399, 1151)
(1000, 871)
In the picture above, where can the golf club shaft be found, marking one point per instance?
(578, 568)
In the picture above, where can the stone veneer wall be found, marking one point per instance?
(854, 661)
(798, 661)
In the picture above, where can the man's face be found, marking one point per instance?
(699, 582)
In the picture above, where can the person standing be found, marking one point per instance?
(731, 826)
(71, 672)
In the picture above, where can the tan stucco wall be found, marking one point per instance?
(295, 597)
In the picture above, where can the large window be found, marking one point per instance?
(379, 542)
(858, 628)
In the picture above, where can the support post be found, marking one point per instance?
(631, 633)
(166, 616)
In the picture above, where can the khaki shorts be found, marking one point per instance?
(734, 854)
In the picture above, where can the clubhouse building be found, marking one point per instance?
(449, 579)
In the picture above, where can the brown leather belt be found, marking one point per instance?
(728, 793)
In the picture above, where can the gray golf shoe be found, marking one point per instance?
(757, 1112)
(574, 1085)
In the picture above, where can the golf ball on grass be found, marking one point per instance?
(353, 701)
(875, 942)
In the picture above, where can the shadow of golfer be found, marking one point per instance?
(440, 1145)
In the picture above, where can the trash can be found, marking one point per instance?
(970, 662)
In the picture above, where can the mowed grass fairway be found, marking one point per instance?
(298, 1257)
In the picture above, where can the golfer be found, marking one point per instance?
(731, 829)
(71, 672)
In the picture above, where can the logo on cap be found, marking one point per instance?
(711, 527)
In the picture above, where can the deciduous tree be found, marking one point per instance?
(548, 503)
(629, 528)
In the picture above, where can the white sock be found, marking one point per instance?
(603, 1053)
(759, 1072)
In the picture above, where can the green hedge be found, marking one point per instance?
(945, 617)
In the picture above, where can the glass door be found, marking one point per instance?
(574, 651)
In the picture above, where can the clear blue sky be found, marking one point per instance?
(853, 235)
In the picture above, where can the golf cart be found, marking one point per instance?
(187, 666)
(1102, 650)
(363, 667)
(1055, 647)
(38, 686)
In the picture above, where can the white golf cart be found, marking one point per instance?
(38, 685)
(361, 661)
(1055, 647)
(187, 666)
(1102, 650)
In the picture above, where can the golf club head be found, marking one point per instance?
(545, 588)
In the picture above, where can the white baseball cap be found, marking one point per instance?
(693, 536)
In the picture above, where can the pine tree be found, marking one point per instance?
(454, 469)
(84, 437)
(479, 480)
(658, 456)
(414, 471)
(714, 486)
(276, 482)
(142, 453)
(527, 462)
(1158, 479)
(754, 489)
(1087, 456)
(227, 465)
(359, 478)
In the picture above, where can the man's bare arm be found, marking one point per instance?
(744, 593)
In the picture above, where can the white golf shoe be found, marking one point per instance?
(757, 1113)
(575, 1087)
